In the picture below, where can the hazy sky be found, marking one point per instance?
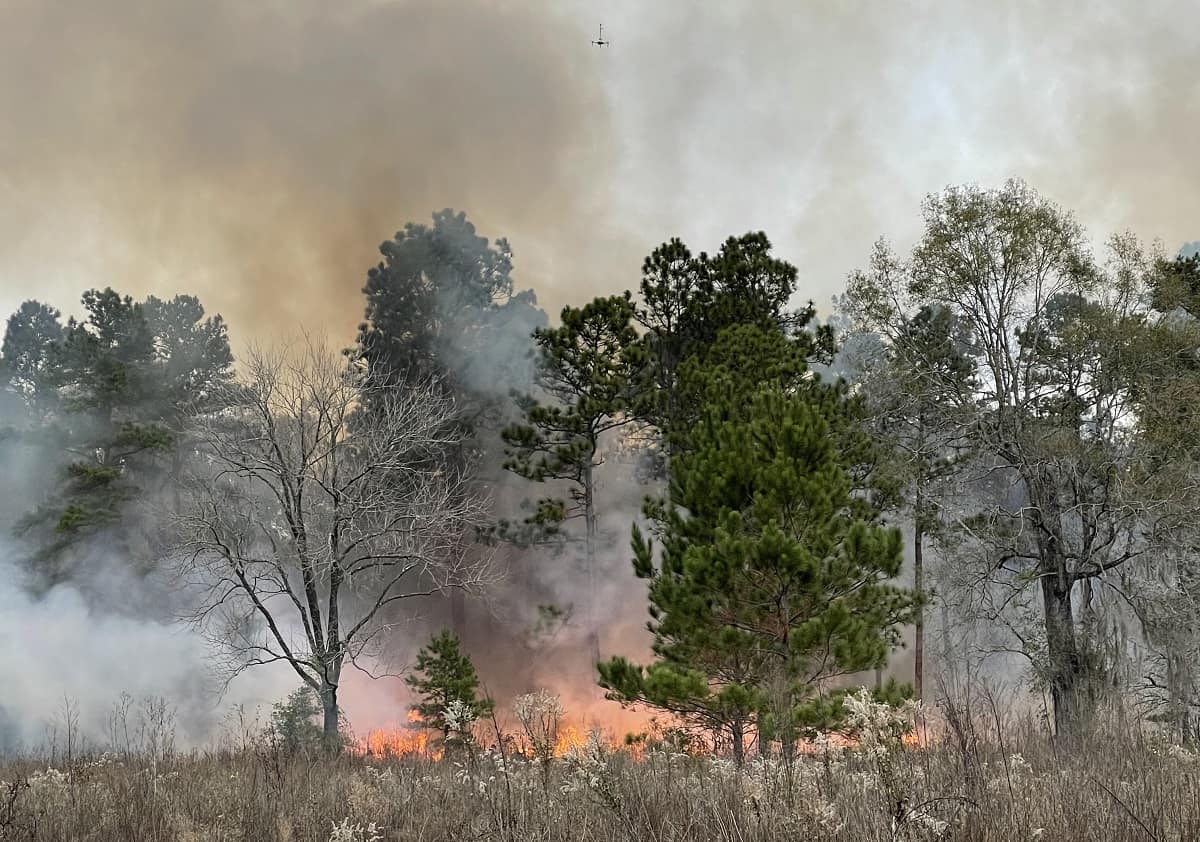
(256, 153)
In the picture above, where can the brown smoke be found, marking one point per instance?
(257, 153)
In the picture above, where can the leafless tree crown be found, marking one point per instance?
(308, 519)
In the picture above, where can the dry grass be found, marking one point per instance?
(1115, 785)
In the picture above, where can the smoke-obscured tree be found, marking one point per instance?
(303, 535)
(919, 395)
(441, 304)
(1058, 342)
(105, 396)
(583, 374)
(31, 338)
(773, 573)
(441, 307)
(442, 676)
(1166, 594)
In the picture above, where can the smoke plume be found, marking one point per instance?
(256, 154)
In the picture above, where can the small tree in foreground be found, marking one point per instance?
(302, 534)
(448, 685)
(297, 720)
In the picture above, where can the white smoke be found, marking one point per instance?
(76, 645)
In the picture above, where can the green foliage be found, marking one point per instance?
(687, 303)
(773, 572)
(443, 675)
(1176, 284)
(583, 368)
(1082, 405)
(103, 400)
(296, 722)
(31, 336)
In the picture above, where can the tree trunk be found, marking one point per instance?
(1065, 667)
(330, 737)
(458, 613)
(1062, 651)
(737, 729)
(1179, 694)
(949, 670)
(919, 587)
(589, 503)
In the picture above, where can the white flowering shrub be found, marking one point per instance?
(48, 788)
(460, 718)
(539, 714)
(919, 818)
(878, 727)
(349, 832)
(589, 770)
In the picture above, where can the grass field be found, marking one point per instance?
(997, 784)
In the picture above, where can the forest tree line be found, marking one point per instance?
(1013, 413)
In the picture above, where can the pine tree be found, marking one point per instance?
(919, 392)
(686, 303)
(441, 306)
(584, 370)
(104, 397)
(443, 675)
(773, 573)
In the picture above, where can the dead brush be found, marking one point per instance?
(1115, 784)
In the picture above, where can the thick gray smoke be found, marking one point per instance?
(825, 123)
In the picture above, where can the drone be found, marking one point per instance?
(600, 42)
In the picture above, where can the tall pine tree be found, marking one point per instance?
(584, 372)
(104, 397)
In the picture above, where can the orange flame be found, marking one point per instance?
(410, 741)
(569, 738)
(414, 740)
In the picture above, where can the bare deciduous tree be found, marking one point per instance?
(1062, 348)
(306, 525)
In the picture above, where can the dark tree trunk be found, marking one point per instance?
(330, 737)
(1063, 653)
(458, 613)
(919, 622)
(1065, 666)
(593, 625)
(737, 729)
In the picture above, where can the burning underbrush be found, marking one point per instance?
(539, 727)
